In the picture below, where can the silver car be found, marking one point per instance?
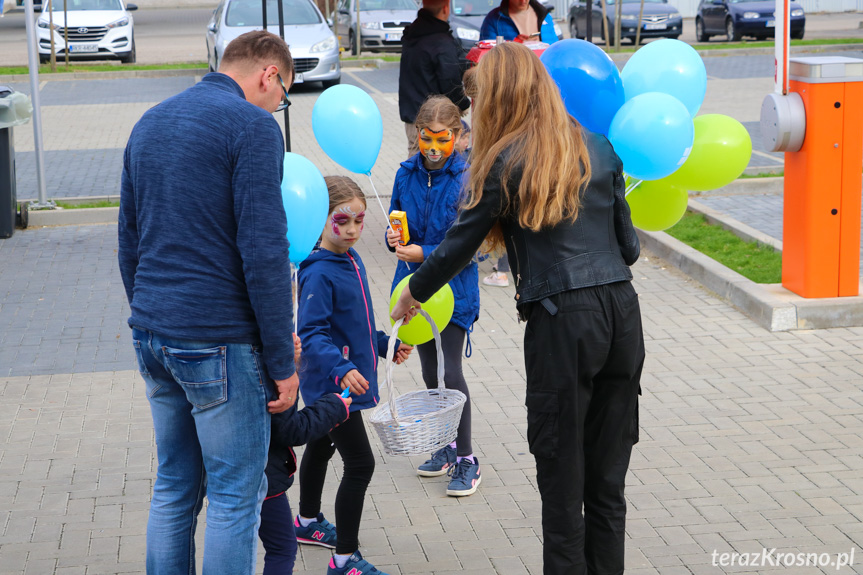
(381, 23)
(313, 45)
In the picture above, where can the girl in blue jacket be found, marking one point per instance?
(340, 349)
(428, 189)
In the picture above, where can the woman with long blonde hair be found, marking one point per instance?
(552, 193)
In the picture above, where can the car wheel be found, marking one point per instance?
(733, 33)
(353, 42)
(797, 34)
(44, 59)
(22, 218)
(700, 35)
(131, 56)
(330, 83)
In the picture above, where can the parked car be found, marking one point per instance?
(738, 18)
(382, 23)
(314, 47)
(658, 20)
(37, 4)
(98, 30)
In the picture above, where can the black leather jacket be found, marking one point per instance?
(596, 249)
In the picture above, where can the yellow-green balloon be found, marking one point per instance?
(656, 205)
(720, 152)
(439, 307)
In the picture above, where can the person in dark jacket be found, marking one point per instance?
(432, 62)
(553, 194)
(428, 189)
(519, 20)
(289, 429)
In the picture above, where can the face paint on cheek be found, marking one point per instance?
(436, 143)
(336, 231)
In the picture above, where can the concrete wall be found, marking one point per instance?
(689, 7)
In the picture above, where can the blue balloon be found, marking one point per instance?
(348, 127)
(588, 80)
(307, 204)
(668, 66)
(653, 135)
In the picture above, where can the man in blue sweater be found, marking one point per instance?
(203, 253)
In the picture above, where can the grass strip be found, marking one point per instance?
(99, 204)
(753, 260)
(61, 68)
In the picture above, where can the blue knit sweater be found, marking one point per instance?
(202, 229)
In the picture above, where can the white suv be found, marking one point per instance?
(98, 30)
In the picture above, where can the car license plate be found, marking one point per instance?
(394, 37)
(771, 24)
(655, 26)
(298, 78)
(83, 48)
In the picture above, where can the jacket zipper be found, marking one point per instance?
(368, 316)
(517, 264)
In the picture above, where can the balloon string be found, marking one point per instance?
(632, 187)
(386, 216)
(294, 290)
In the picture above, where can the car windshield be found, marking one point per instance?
(87, 5)
(369, 5)
(473, 7)
(248, 13)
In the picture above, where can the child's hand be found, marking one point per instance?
(354, 380)
(403, 353)
(393, 237)
(298, 348)
(346, 400)
(410, 253)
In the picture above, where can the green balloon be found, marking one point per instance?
(720, 152)
(439, 306)
(656, 205)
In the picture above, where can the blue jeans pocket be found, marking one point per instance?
(201, 372)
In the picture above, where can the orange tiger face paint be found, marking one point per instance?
(436, 147)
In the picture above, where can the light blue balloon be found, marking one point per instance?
(653, 134)
(669, 66)
(588, 80)
(307, 204)
(348, 127)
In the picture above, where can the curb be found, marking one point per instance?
(113, 75)
(747, 187)
(84, 216)
(721, 52)
(770, 305)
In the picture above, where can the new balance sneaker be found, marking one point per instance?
(441, 461)
(466, 477)
(320, 532)
(356, 565)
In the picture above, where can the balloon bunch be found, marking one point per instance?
(648, 111)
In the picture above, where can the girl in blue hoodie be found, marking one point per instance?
(340, 348)
(428, 189)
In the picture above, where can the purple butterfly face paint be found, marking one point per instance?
(344, 227)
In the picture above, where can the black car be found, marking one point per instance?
(659, 20)
(738, 18)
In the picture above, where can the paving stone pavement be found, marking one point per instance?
(750, 440)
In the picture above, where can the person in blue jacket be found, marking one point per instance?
(340, 349)
(428, 189)
(519, 20)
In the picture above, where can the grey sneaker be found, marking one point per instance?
(320, 532)
(441, 461)
(466, 477)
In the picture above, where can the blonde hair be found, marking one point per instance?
(518, 109)
(439, 109)
(342, 189)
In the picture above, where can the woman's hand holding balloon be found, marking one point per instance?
(405, 307)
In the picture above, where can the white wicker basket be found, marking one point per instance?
(419, 421)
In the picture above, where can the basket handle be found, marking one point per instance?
(391, 347)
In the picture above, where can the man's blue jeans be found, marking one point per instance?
(209, 407)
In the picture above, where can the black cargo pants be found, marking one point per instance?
(584, 351)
